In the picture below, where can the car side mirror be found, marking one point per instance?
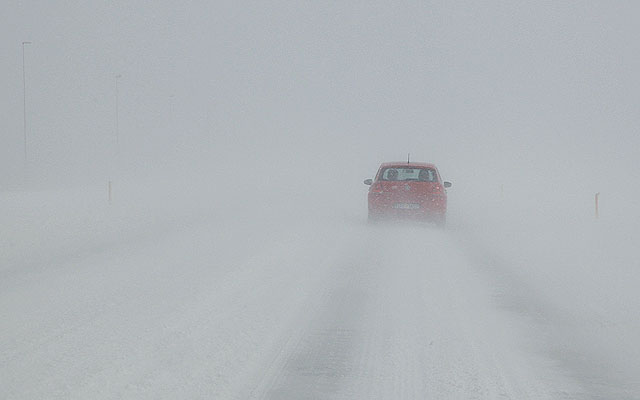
(447, 184)
(368, 181)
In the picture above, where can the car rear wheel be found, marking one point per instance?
(440, 221)
(373, 218)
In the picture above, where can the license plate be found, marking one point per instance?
(406, 206)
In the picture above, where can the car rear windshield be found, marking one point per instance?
(408, 174)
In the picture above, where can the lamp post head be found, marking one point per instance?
(23, 43)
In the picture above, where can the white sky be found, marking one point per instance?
(544, 92)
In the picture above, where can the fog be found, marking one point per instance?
(235, 137)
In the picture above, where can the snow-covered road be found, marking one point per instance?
(403, 316)
(246, 308)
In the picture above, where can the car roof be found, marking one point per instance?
(401, 164)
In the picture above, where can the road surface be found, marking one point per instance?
(235, 308)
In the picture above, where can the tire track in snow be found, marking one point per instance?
(405, 318)
(555, 332)
(319, 359)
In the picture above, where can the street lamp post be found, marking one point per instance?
(117, 122)
(171, 111)
(24, 104)
(117, 155)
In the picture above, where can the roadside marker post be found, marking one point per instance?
(597, 211)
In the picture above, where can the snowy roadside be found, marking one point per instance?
(144, 300)
(575, 278)
(41, 226)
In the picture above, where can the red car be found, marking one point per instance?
(408, 190)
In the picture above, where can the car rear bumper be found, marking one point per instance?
(422, 214)
(424, 208)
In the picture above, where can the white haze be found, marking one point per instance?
(246, 127)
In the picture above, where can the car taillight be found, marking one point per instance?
(376, 188)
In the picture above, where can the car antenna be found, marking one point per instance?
(408, 156)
